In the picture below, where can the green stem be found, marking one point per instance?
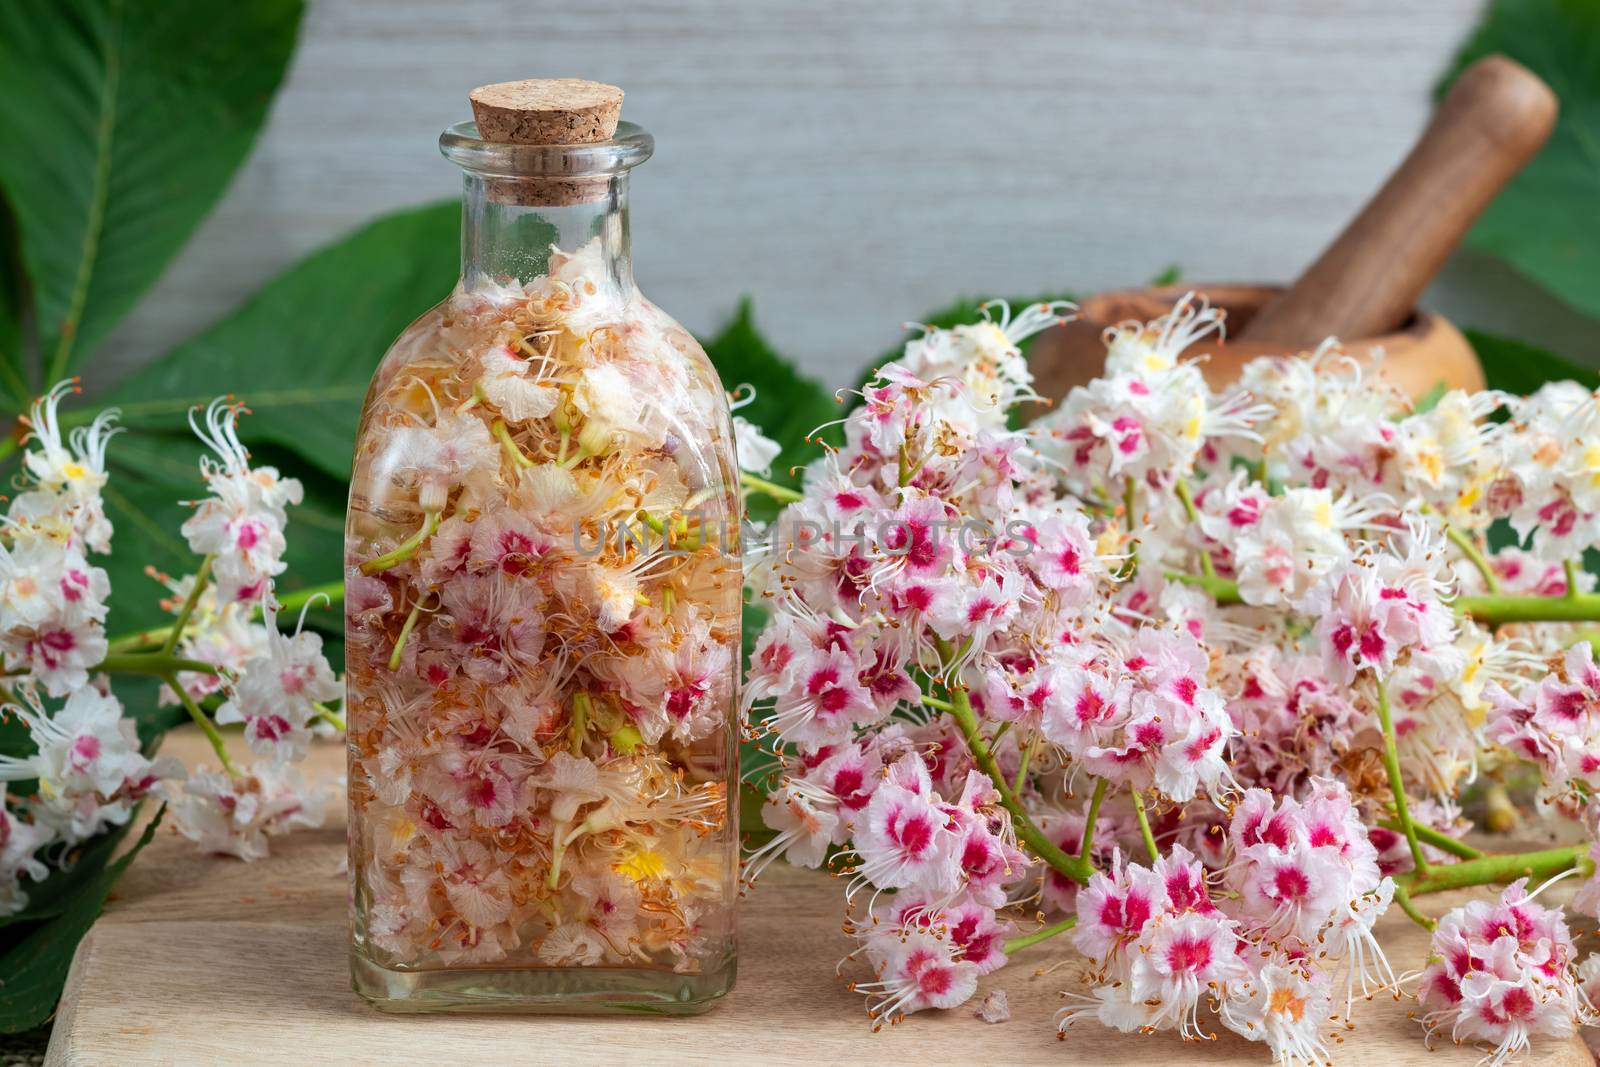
(1496, 870)
(1223, 590)
(156, 637)
(405, 635)
(1089, 820)
(1491, 609)
(503, 435)
(580, 722)
(1491, 581)
(1017, 944)
(1144, 826)
(156, 664)
(1403, 898)
(907, 471)
(145, 639)
(207, 727)
(1181, 487)
(1570, 569)
(1029, 834)
(202, 578)
(1022, 765)
(299, 598)
(1581, 607)
(405, 549)
(777, 492)
(942, 705)
(1429, 836)
(1391, 765)
(331, 717)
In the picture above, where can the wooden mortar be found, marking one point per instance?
(1423, 352)
(1364, 287)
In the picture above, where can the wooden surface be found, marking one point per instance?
(854, 165)
(1496, 116)
(208, 960)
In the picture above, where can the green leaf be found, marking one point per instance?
(300, 354)
(35, 961)
(120, 125)
(50, 898)
(1430, 399)
(1521, 369)
(13, 298)
(1170, 276)
(787, 405)
(151, 475)
(1545, 223)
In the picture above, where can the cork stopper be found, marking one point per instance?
(547, 111)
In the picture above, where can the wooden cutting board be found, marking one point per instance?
(206, 960)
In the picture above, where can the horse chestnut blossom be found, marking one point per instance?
(1502, 973)
(1261, 638)
(77, 748)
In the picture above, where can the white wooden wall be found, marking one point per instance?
(854, 163)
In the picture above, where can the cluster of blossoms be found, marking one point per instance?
(1258, 634)
(1270, 939)
(1502, 972)
(78, 762)
(543, 619)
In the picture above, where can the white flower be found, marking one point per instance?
(755, 450)
(1447, 456)
(69, 474)
(279, 693)
(611, 408)
(236, 816)
(19, 841)
(1288, 1007)
(1146, 349)
(88, 763)
(221, 633)
(509, 385)
(439, 457)
(52, 604)
(241, 523)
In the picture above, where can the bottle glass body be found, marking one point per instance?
(542, 622)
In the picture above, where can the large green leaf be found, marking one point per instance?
(51, 897)
(1520, 368)
(120, 125)
(13, 298)
(35, 957)
(1545, 223)
(301, 352)
(152, 474)
(787, 405)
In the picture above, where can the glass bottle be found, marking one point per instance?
(542, 613)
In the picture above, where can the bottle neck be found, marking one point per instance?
(508, 226)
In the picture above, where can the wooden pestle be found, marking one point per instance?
(1493, 120)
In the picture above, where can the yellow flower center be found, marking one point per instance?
(1284, 1002)
(642, 865)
